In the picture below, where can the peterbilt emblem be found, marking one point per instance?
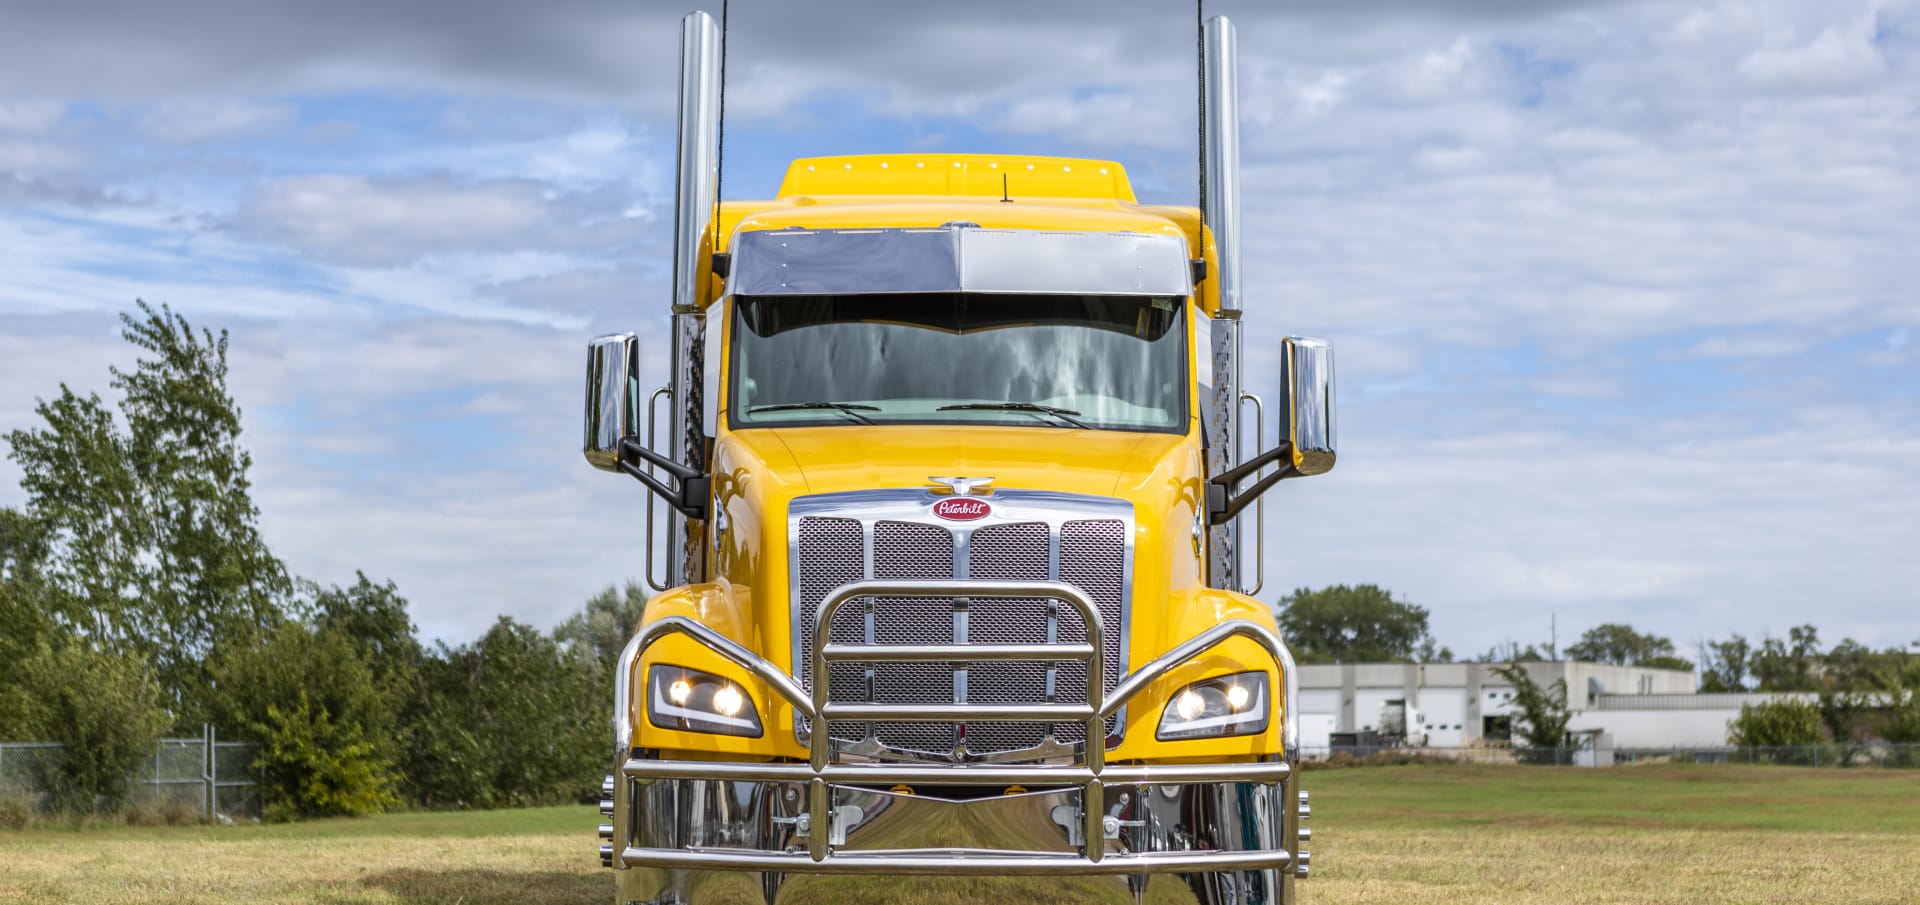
(963, 486)
(959, 509)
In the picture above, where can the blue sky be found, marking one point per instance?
(1624, 293)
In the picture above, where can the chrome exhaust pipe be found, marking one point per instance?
(1223, 157)
(1220, 203)
(696, 199)
(698, 170)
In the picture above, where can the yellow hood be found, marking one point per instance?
(853, 457)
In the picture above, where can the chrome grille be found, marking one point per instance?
(1090, 554)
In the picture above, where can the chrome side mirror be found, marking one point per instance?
(1307, 379)
(613, 398)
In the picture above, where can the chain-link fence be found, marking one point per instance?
(204, 775)
(1874, 755)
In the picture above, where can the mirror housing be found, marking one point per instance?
(613, 398)
(1307, 379)
(1306, 444)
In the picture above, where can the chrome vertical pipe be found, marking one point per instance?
(1222, 206)
(697, 176)
(1223, 157)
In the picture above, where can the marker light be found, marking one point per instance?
(1217, 708)
(695, 701)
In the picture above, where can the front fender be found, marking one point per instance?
(1188, 613)
(726, 610)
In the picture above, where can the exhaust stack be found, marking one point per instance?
(1223, 157)
(1220, 199)
(696, 201)
(698, 170)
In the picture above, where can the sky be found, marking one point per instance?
(1625, 296)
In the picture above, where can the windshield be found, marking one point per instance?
(1066, 361)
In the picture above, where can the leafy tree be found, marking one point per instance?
(150, 532)
(1725, 665)
(1544, 712)
(1776, 724)
(520, 720)
(601, 629)
(1791, 665)
(25, 622)
(1512, 652)
(326, 725)
(374, 618)
(105, 711)
(1618, 644)
(1358, 624)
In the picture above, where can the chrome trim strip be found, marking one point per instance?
(957, 862)
(883, 775)
(922, 653)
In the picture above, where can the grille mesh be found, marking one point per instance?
(1091, 557)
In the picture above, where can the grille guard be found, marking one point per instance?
(820, 772)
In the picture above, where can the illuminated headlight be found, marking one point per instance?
(687, 699)
(1216, 708)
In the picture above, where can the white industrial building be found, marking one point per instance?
(1466, 705)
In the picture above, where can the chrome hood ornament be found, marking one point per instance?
(961, 486)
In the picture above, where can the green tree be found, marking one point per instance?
(1618, 644)
(1776, 724)
(1358, 624)
(601, 629)
(1544, 713)
(530, 715)
(1725, 665)
(152, 542)
(105, 711)
(326, 725)
(1790, 665)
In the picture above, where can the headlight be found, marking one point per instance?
(688, 699)
(1216, 708)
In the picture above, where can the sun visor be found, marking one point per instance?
(957, 259)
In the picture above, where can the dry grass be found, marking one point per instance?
(1459, 835)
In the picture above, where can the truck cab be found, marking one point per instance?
(949, 589)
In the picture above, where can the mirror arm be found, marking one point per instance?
(689, 499)
(1223, 503)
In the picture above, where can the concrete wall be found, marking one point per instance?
(1458, 699)
(1656, 728)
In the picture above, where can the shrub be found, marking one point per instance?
(1776, 724)
(104, 710)
(16, 813)
(319, 767)
(324, 724)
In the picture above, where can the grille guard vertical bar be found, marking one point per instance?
(816, 708)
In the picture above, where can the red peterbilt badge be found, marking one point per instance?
(955, 509)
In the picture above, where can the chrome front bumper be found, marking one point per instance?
(830, 817)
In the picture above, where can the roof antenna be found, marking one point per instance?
(1003, 190)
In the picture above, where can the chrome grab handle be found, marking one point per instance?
(653, 406)
(1260, 504)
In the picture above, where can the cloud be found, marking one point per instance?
(369, 222)
(30, 116)
(199, 120)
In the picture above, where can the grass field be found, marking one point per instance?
(1456, 835)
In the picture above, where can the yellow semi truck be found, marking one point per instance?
(952, 594)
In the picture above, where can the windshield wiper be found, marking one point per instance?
(848, 409)
(1062, 414)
